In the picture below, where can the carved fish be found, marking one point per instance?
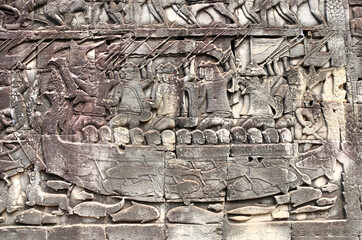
(184, 187)
(251, 210)
(125, 170)
(280, 214)
(236, 170)
(217, 207)
(35, 217)
(96, 209)
(309, 209)
(83, 195)
(275, 176)
(240, 218)
(314, 163)
(303, 195)
(330, 187)
(242, 185)
(136, 213)
(142, 188)
(193, 214)
(326, 201)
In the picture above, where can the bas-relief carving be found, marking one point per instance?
(182, 113)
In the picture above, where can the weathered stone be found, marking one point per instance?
(91, 232)
(270, 135)
(254, 135)
(210, 137)
(121, 135)
(238, 135)
(90, 134)
(188, 232)
(168, 138)
(223, 135)
(282, 199)
(96, 209)
(26, 233)
(105, 134)
(135, 231)
(183, 137)
(198, 137)
(153, 138)
(137, 136)
(218, 119)
(261, 231)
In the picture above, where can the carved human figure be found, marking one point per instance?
(54, 120)
(132, 106)
(18, 109)
(261, 96)
(21, 9)
(89, 89)
(61, 12)
(114, 11)
(284, 9)
(310, 120)
(213, 99)
(168, 96)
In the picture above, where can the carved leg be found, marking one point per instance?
(2, 17)
(156, 11)
(313, 5)
(253, 16)
(223, 11)
(263, 17)
(286, 13)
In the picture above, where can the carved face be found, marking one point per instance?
(166, 77)
(128, 75)
(209, 74)
(201, 72)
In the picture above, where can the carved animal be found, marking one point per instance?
(240, 218)
(184, 187)
(304, 195)
(35, 217)
(309, 209)
(142, 188)
(97, 209)
(193, 214)
(137, 213)
(36, 196)
(252, 210)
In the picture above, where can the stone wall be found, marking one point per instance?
(182, 119)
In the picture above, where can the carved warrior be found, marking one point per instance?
(204, 122)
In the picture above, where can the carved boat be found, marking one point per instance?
(83, 164)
